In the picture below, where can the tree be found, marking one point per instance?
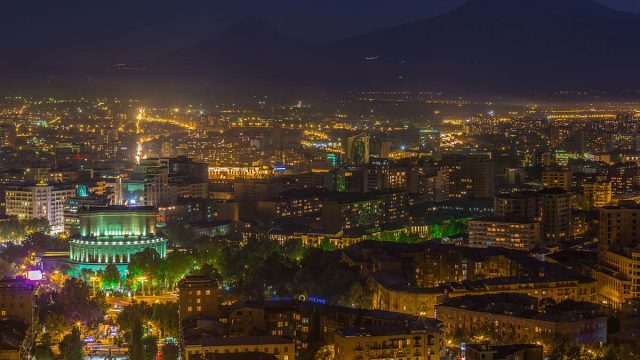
(136, 347)
(165, 315)
(147, 264)
(75, 298)
(293, 249)
(132, 314)
(150, 347)
(326, 352)
(55, 324)
(71, 346)
(170, 352)
(111, 277)
(174, 267)
(211, 272)
(358, 296)
(43, 350)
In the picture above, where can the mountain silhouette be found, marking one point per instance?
(484, 45)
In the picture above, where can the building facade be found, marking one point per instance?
(41, 201)
(112, 235)
(388, 342)
(503, 232)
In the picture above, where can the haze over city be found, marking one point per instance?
(320, 180)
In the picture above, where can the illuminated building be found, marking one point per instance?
(74, 205)
(7, 135)
(160, 182)
(556, 215)
(357, 149)
(41, 201)
(112, 235)
(556, 178)
(420, 341)
(292, 203)
(234, 172)
(198, 296)
(551, 207)
(377, 175)
(345, 211)
(17, 300)
(471, 175)
(414, 278)
(311, 321)
(503, 352)
(619, 255)
(208, 348)
(516, 318)
(148, 185)
(504, 232)
(249, 191)
(559, 157)
(596, 194)
(523, 205)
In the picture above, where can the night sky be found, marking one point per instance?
(26, 20)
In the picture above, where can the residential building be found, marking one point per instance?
(517, 318)
(420, 341)
(503, 352)
(198, 296)
(282, 348)
(504, 232)
(40, 201)
(16, 300)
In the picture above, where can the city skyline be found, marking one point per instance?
(320, 180)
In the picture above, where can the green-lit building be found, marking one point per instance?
(112, 235)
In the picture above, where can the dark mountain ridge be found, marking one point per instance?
(485, 45)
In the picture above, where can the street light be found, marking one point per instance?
(142, 280)
(93, 280)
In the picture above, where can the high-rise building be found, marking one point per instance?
(41, 201)
(357, 149)
(551, 207)
(471, 175)
(597, 194)
(556, 215)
